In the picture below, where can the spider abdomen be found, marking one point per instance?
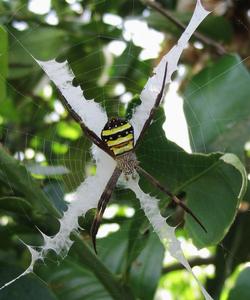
(118, 134)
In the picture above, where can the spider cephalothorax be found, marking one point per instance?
(118, 134)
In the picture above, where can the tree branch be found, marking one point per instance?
(196, 261)
(202, 38)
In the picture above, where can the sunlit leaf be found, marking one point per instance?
(205, 179)
(216, 107)
(241, 290)
(69, 130)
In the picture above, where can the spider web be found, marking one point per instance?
(77, 154)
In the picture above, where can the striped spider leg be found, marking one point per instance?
(158, 185)
(103, 203)
(94, 138)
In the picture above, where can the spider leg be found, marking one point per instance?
(105, 197)
(157, 184)
(89, 133)
(74, 101)
(156, 105)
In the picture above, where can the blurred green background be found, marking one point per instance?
(112, 48)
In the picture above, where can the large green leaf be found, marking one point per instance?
(217, 107)
(146, 269)
(9, 111)
(127, 68)
(113, 249)
(211, 27)
(72, 281)
(3, 61)
(241, 290)
(41, 42)
(15, 176)
(213, 184)
(231, 252)
(137, 239)
(143, 277)
(26, 288)
(216, 191)
(15, 204)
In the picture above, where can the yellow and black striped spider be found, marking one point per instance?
(117, 140)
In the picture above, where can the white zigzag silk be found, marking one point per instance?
(153, 85)
(88, 193)
(165, 232)
(84, 198)
(92, 114)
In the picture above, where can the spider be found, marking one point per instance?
(117, 140)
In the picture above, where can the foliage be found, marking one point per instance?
(36, 132)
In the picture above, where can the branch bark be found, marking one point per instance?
(202, 38)
(196, 261)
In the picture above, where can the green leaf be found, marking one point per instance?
(112, 249)
(143, 277)
(231, 252)
(109, 32)
(161, 23)
(219, 188)
(59, 148)
(124, 63)
(55, 192)
(241, 290)
(9, 111)
(15, 204)
(136, 101)
(87, 68)
(146, 269)
(3, 62)
(213, 184)
(85, 260)
(216, 107)
(137, 238)
(16, 176)
(26, 288)
(43, 43)
(127, 68)
(71, 280)
(212, 25)
(69, 130)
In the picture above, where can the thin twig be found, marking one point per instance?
(196, 261)
(202, 38)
